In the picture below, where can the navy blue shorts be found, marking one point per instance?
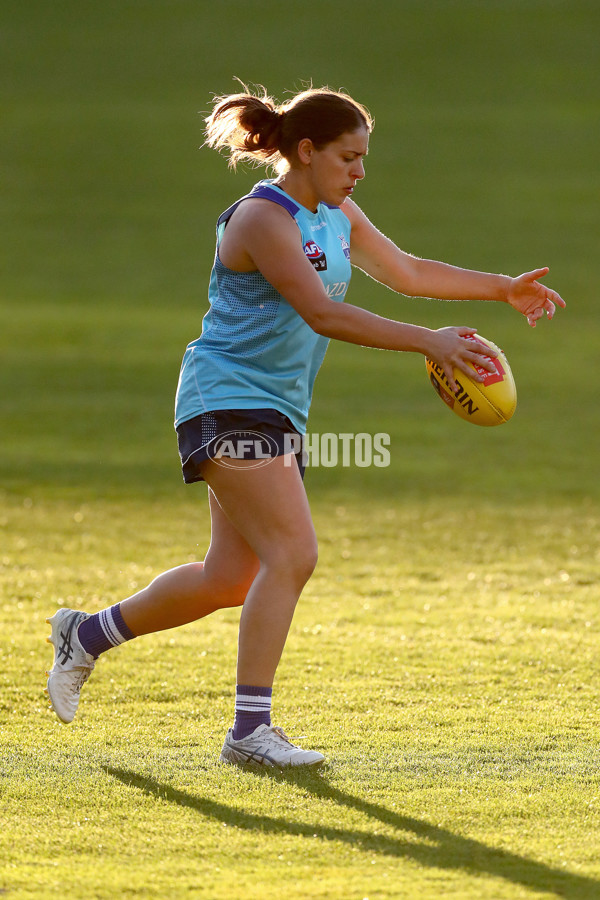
(224, 434)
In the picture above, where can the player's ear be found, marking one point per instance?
(305, 150)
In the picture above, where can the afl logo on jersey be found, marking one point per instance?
(316, 256)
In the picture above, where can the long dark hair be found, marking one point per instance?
(254, 127)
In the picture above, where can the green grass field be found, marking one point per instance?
(444, 655)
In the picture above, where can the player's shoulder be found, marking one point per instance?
(256, 209)
(354, 213)
(257, 215)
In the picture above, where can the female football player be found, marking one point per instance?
(281, 271)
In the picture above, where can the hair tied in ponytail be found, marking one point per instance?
(253, 127)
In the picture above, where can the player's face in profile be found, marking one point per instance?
(339, 165)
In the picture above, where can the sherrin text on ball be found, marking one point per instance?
(488, 402)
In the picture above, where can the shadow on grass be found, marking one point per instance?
(420, 842)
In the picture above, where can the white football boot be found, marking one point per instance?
(267, 747)
(72, 665)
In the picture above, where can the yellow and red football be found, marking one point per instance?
(488, 402)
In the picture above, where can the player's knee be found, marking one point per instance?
(295, 559)
(309, 558)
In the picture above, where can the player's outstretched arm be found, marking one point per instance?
(380, 258)
(263, 236)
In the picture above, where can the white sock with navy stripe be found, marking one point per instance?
(252, 708)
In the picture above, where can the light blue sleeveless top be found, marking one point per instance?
(255, 351)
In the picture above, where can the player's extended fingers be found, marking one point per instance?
(462, 365)
(449, 373)
(485, 360)
(465, 363)
(536, 314)
(479, 354)
(536, 273)
(553, 299)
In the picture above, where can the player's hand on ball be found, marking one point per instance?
(532, 299)
(483, 397)
(451, 349)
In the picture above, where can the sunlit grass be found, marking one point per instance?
(444, 654)
(442, 657)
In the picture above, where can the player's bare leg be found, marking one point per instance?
(192, 591)
(269, 508)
